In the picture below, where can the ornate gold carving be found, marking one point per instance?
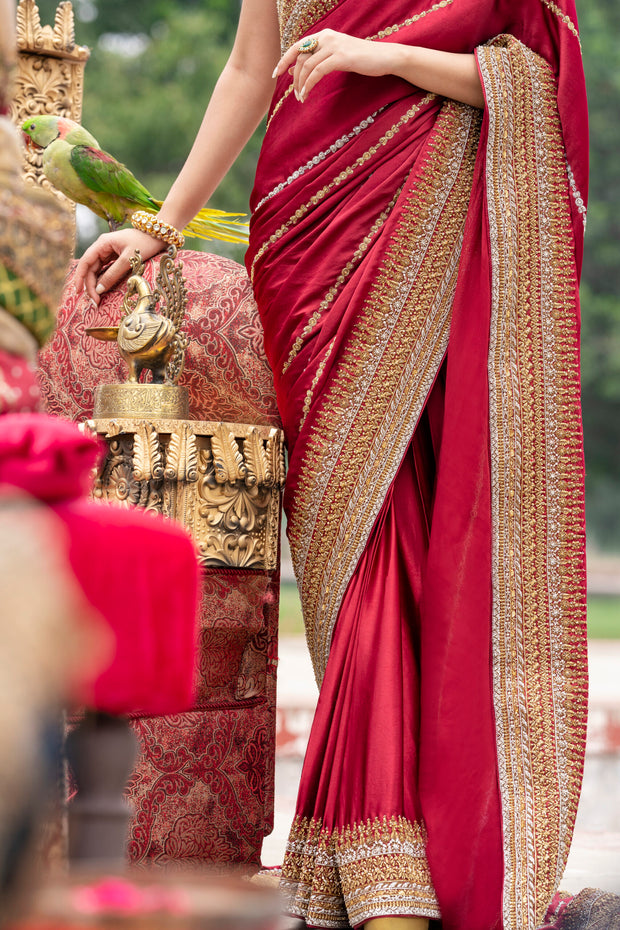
(228, 464)
(182, 462)
(223, 481)
(50, 74)
(147, 457)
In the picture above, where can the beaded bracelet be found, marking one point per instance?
(149, 223)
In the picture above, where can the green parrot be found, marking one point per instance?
(74, 163)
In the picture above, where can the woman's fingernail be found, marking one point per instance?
(302, 95)
(275, 72)
(297, 97)
(99, 289)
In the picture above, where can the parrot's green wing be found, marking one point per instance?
(104, 174)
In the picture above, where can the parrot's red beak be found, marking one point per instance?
(30, 145)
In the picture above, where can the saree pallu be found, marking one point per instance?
(416, 265)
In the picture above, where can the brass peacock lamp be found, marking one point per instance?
(150, 337)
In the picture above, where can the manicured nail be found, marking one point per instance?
(99, 289)
(297, 97)
(302, 95)
(275, 72)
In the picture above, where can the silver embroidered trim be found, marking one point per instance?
(392, 897)
(581, 206)
(416, 381)
(320, 157)
(520, 858)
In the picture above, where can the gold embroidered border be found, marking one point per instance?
(296, 17)
(312, 161)
(389, 30)
(381, 380)
(340, 280)
(343, 176)
(287, 93)
(539, 645)
(342, 878)
(564, 17)
(317, 377)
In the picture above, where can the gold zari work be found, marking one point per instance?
(331, 520)
(372, 868)
(344, 175)
(563, 17)
(390, 30)
(297, 16)
(539, 682)
(334, 290)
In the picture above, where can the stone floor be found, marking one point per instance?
(595, 855)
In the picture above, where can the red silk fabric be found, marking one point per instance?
(413, 637)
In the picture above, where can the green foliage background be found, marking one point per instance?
(153, 66)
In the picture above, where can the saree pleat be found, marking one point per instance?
(416, 265)
(365, 736)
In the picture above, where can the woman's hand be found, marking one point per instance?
(447, 74)
(119, 245)
(336, 51)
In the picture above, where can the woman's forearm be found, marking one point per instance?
(236, 108)
(447, 74)
(238, 103)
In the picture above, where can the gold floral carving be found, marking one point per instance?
(50, 73)
(223, 481)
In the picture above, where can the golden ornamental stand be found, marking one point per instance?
(223, 481)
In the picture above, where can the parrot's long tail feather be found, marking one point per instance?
(216, 224)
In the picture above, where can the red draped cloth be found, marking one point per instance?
(416, 265)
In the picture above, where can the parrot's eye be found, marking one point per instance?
(33, 125)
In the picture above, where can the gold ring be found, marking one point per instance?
(309, 45)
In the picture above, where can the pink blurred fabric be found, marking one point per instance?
(138, 571)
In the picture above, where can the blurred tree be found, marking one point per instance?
(600, 26)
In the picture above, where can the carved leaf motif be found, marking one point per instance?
(147, 459)
(276, 455)
(259, 470)
(191, 458)
(64, 28)
(32, 37)
(182, 460)
(28, 24)
(227, 459)
(175, 452)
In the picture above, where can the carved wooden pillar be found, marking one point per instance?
(223, 481)
(50, 74)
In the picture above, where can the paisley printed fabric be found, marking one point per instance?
(226, 370)
(203, 785)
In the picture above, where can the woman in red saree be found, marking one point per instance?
(416, 262)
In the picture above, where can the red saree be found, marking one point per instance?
(416, 263)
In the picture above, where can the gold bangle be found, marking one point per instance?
(151, 224)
